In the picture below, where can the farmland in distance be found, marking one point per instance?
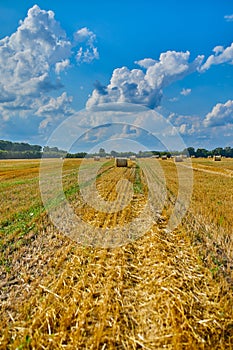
(169, 289)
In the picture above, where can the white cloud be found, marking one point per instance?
(221, 56)
(127, 86)
(183, 129)
(88, 51)
(30, 57)
(185, 124)
(214, 130)
(218, 49)
(57, 105)
(84, 34)
(6, 96)
(146, 62)
(172, 66)
(185, 92)
(60, 66)
(55, 108)
(139, 87)
(173, 99)
(228, 18)
(27, 55)
(87, 55)
(221, 114)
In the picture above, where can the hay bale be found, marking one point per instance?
(164, 157)
(217, 158)
(121, 162)
(96, 158)
(132, 157)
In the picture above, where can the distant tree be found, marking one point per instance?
(228, 151)
(113, 153)
(18, 146)
(202, 152)
(156, 153)
(5, 145)
(51, 149)
(219, 151)
(76, 155)
(102, 152)
(190, 151)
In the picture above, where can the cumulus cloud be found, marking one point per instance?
(228, 18)
(30, 57)
(218, 49)
(145, 86)
(221, 114)
(171, 66)
(84, 34)
(88, 51)
(27, 54)
(185, 92)
(126, 86)
(220, 56)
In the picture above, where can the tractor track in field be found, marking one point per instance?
(107, 189)
(201, 168)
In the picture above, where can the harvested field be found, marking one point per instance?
(164, 290)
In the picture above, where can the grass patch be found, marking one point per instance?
(7, 184)
(138, 185)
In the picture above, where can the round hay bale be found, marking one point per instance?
(121, 162)
(178, 159)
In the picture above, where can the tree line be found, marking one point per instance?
(204, 153)
(21, 150)
(189, 151)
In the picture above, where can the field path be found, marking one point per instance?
(206, 169)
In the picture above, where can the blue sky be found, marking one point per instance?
(176, 57)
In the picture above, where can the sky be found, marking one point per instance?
(172, 57)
